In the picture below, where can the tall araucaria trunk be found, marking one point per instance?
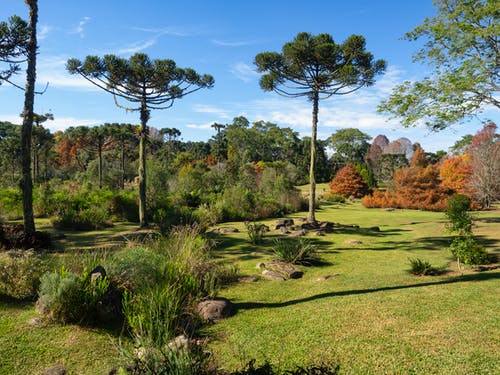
(311, 218)
(142, 165)
(29, 98)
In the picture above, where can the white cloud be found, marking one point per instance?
(202, 108)
(225, 43)
(53, 70)
(59, 123)
(169, 30)
(243, 71)
(205, 126)
(43, 31)
(136, 47)
(80, 29)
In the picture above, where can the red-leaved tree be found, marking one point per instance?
(349, 183)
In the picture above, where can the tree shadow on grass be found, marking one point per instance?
(460, 279)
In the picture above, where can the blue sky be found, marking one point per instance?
(221, 38)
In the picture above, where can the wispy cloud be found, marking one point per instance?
(243, 71)
(43, 31)
(204, 126)
(53, 70)
(136, 47)
(225, 43)
(219, 112)
(80, 29)
(169, 30)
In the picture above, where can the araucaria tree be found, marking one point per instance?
(461, 44)
(317, 68)
(146, 84)
(18, 44)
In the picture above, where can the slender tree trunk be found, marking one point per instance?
(142, 165)
(99, 153)
(122, 166)
(311, 218)
(29, 98)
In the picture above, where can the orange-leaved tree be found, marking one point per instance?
(349, 183)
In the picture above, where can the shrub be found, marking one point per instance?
(349, 183)
(123, 206)
(297, 251)
(92, 218)
(255, 232)
(20, 273)
(334, 198)
(457, 212)
(70, 298)
(420, 267)
(136, 269)
(190, 252)
(468, 251)
(11, 203)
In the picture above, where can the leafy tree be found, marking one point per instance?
(419, 158)
(349, 145)
(146, 85)
(317, 68)
(41, 139)
(485, 152)
(461, 44)
(348, 182)
(14, 39)
(460, 147)
(455, 174)
(10, 151)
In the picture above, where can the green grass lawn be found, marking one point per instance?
(372, 317)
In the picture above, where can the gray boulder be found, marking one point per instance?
(214, 310)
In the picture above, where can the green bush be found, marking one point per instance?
(11, 203)
(91, 218)
(468, 251)
(297, 251)
(70, 298)
(123, 206)
(20, 273)
(420, 267)
(334, 198)
(457, 212)
(137, 269)
(255, 232)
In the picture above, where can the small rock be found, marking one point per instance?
(56, 370)
(325, 277)
(320, 233)
(248, 279)
(287, 270)
(214, 310)
(225, 230)
(298, 233)
(354, 242)
(260, 265)
(374, 229)
(97, 272)
(181, 342)
(36, 322)
(283, 223)
(389, 209)
(284, 230)
(273, 275)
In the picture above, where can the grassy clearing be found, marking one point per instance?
(373, 316)
(28, 349)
